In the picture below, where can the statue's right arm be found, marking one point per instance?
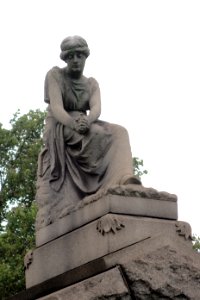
(56, 102)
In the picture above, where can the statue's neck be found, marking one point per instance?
(74, 75)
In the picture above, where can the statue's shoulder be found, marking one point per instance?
(92, 80)
(55, 72)
(93, 83)
(52, 76)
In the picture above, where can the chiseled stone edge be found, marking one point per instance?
(107, 284)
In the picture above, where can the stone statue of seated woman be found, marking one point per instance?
(82, 155)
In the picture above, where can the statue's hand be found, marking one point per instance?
(81, 124)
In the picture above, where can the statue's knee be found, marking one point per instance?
(97, 130)
(119, 130)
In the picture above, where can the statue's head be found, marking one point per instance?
(73, 44)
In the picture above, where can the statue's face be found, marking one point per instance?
(75, 62)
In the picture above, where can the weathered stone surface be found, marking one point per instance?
(160, 268)
(141, 192)
(97, 239)
(108, 285)
(164, 273)
(134, 201)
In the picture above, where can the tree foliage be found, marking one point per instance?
(19, 148)
(18, 159)
(139, 167)
(17, 239)
(196, 243)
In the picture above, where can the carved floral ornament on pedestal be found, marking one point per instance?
(184, 229)
(109, 223)
(28, 259)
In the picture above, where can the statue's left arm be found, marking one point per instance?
(94, 102)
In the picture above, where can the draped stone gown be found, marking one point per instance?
(71, 165)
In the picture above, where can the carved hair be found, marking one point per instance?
(73, 43)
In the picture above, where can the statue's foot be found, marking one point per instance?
(130, 179)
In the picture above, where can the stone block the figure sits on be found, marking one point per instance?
(134, 200)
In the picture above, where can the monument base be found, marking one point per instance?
(161, 267)
(98, 228)
(122, 246)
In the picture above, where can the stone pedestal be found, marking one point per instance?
(117, 247)
(98, 238)
(98, 228)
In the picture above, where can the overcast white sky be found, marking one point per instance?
(146, 57)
